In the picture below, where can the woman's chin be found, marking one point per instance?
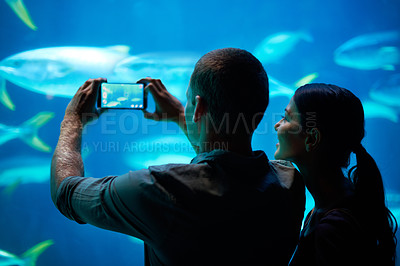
(277, 155)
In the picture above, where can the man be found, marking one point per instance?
(229, 206)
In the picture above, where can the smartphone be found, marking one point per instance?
(122, 96)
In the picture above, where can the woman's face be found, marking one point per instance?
(291, 138)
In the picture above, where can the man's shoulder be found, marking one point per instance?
(175, 167)
(189, 171)
(164, 177)
(191, 175)
(284, 171)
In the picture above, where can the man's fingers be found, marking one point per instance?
(96, 82)
(92, 90)
(152, 85)
(154, 90)
(145, 81)
(92, 84)
(96, 85)
(85, 85)
(149, 115)
(159, 84)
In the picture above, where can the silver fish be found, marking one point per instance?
(387, 91)
(27, 131)
(59, 71)
(28, 258)
(277, 45)
(173, 68)
(379, 50)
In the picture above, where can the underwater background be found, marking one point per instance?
(353, 44)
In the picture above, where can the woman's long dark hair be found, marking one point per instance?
(339, 115)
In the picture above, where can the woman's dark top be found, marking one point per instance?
(334, 236)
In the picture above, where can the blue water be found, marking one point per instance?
(27, 215)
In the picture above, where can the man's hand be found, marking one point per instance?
(168, 107)
(83, 104)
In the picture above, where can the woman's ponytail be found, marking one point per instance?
(370, 198)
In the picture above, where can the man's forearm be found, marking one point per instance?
(67, 159)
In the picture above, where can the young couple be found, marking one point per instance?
(234, 206)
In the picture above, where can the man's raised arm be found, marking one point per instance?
(67, 159)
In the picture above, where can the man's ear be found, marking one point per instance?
(313, 139)
(200, 108)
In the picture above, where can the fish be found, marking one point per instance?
(158, 150)
(387, 91)
(306, 79)
(24, 170)
(60, 71)
(374, 109)
(172, 68)
(379, 50)
(122, 99)
(278, 88)
(27, 131)
(21, 11)
(277, 45)
(4, 97)
(112, 104)
(28, 258)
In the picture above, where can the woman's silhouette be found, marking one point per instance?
(350, 223)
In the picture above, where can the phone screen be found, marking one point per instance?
(122, 96)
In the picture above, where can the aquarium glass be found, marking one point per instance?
(50, 48)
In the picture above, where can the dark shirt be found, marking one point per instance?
(334, 236)
(221, 209)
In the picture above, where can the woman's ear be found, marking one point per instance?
(200, 108)
(313, 139)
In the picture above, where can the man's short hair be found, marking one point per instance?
(234, 85)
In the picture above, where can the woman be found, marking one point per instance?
(349, 224)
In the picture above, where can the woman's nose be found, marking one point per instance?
(277, 125)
